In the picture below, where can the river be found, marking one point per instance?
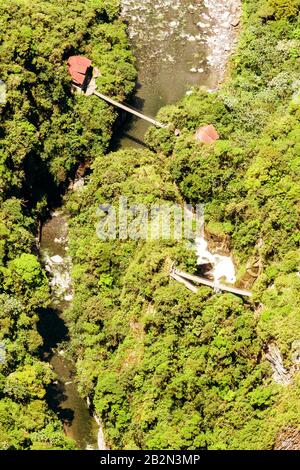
(63, 395)
(178, 44)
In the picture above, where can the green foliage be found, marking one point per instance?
(45, 131)
(24, 278)
(284, 8)
(165, 368)
(15, 230)
(29, 382)
(30, 427)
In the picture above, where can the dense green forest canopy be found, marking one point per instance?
(45, 131)
(166, 368)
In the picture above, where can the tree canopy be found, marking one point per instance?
(170, 369)
(163, 368)
(46, 130)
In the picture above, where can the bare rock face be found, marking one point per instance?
(280, 374)
(288, 439)
(235, 22)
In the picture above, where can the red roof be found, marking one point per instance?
(207, 134)
(78, 66)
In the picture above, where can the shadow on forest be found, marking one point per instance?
(135, 139)
(124, 124)
(40, 183)
(53, 330)
(55, 396)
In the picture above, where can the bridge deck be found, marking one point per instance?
(133, 111)
(175, 273)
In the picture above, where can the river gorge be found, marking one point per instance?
(178, 45)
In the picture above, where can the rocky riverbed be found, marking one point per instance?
(223, 18)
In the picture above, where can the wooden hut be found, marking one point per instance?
(206, 134)
(81, 70)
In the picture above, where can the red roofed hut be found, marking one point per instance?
(81, 70)
(207, 134)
